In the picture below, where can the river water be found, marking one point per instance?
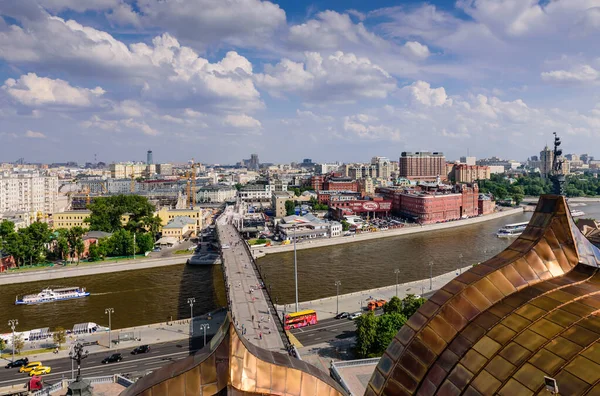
(138, 298)
(371, 264)
(157, 294)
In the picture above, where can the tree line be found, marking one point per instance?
(38, 244)
(375, 333)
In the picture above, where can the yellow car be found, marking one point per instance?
(29, 367)
(40, 370)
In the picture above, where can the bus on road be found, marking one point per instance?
(300, 319)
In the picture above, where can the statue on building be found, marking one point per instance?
(558, 175)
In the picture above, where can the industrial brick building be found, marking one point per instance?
(422, 165)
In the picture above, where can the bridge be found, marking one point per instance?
(253, 312)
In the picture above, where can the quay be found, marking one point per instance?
(262, 251)
(353, 302)
(252, 310)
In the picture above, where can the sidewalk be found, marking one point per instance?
(248, 305)
(142, 335)
(357, 301)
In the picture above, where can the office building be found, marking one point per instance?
(216, 193)
(164, 169)
(253, 164)
(468, 160)
(422, 166)
(463, 173)
(383, 167)
(31, 192)
(127, 170)
(278, 200)
(149, 160)
(546, 158)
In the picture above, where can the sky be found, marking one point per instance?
(216, 80)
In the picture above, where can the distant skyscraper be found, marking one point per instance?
(149, 160)
(424, 165)
(253, 164)
(546, 157)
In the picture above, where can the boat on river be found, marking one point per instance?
(577, 213)
(51, 295)
(512, 230)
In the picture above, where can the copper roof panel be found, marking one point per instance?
(546, 361)
(442, 328)
(401, 376)
(514, 353)
(460, 376)
(580, 335)
(473, 361)
(501, 283)
(453, 317)
(486, 383)
(530, 340)
(500, 368)
(530, 312)
(563, 348)
(512, 388)
(460, 345)
(476, 299)
(488, 289)
(501, 334)
(530, 376)
(584, 369)
(593, 353)
(413, 366)
(571, 385)
(424, 354)
(545, 328)
(464, 307)
(487, 347)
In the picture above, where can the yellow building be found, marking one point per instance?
(76, 218)
(70, 219)
(180, 227)
(166, 215)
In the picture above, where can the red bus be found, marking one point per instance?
(300, 319)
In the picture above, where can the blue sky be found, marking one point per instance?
(329, 80)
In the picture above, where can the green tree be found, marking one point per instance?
(2, 346)
(411, 304)
(74, 236)
(59, 336)
(144, 242)
(366, 333)
(79, 248)
(40, 236)
(345, 225)
(238, 186)
(6, 228)
(152, 224)
(121, 243)
(107, 212)
(94, 252)
(393, 306)
(388, 326)
(62, 245)
(290, 208)
(19, 344)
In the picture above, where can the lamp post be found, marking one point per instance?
(134, 245)
(204, 326)
(191, 301)
(13, 324)
(296, 268)
(431, 275)
(396, 271)
(337, 297)
(109, 311)
(460, 260)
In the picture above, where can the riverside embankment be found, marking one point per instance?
(262, 251)
(71, 270)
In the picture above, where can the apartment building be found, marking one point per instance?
(28, 191)
(423, 165)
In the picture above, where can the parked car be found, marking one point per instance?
(354, 315)
(115, 357)
(29, 367)
(157, 249)
(141, 349)
(17, 363)
(342, 315)
(40, 370)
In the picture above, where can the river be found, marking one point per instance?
(371, 264)
(157, 294)
(138, 298)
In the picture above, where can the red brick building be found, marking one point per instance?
(340, 184)
(316, 182)
(325, 197)
(423, 165)
(486, 205)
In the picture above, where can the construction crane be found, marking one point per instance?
(86, 191)
(193, 195)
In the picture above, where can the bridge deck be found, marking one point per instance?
(241, 278)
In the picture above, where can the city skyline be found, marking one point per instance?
(215, 82)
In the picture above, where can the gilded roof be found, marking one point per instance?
(231, 365)
(502, 326)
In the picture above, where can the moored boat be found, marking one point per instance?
(51, 295)
(577, 213)
(512, 230)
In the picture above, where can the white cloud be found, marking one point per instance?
(314, 117)
(35, 135)
(339, 78)
(78, 5)
(416, 50)
(118, 125)
(124, 15)
(580, 74)
(203, 22)
(242, 121)
(34, 91)
(421, 92)
(362, 126)
(193, 113)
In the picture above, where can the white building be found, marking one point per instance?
(28, 191)
(468, 160)
(216, 193)
(261, 192)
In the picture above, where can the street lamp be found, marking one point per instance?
(191, 301)
(460, 260)
(78, 355)
(396, 271)
(296, 268)
(109, 311)
(13, 323)
(431, 275)
(337, 297)
(204, 326)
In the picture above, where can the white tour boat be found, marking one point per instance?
(577, 213)
(51, 295)
(512, 230)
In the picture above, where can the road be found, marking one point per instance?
(324, 331)
(159, 355)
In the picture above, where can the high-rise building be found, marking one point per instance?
(164, 169)
(423, 165)
(30, 192)
(383, 167)
(546, 158)
(468, 160)
(253, 163)
(149, 160)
